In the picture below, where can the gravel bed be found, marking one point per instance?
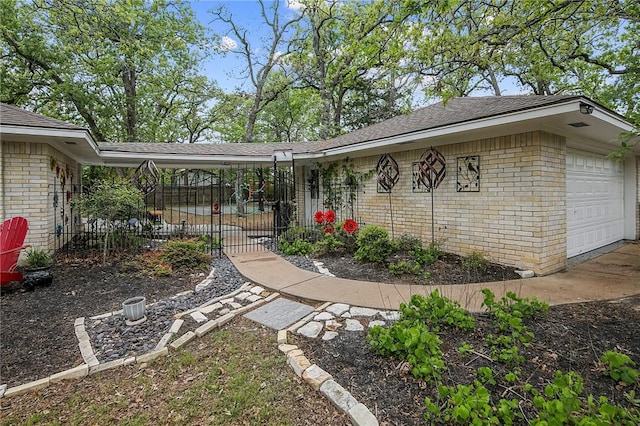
(112, 339)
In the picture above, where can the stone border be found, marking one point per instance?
(323, 382)
(92, 365)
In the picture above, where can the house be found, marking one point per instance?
(523, 179)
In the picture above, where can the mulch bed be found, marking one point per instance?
(570, 338)
(448, 269)
(37, 335)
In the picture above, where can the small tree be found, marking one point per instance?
(109, 201)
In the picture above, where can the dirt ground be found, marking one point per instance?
(448, 269)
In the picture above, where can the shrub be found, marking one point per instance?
(402, 267)
(299, 233)
(185, 254)
(475, 261)
(328, 244)
(38, 258)
(109, 201)
(374, 244)
(620, 367)
(428, 256)
(296, 248)
(437, 311)
(406, 243)
(348, 241)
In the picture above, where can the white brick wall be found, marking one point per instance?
(517, 218)
(27, 181)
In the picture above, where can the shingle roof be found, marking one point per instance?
(14, 116)
(456, 111)
(235, 149)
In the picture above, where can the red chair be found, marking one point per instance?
(12, 234)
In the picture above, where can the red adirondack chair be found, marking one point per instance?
(12, 234)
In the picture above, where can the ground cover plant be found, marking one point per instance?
(369, 253)
(520, 362)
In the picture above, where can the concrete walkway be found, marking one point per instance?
(610, 276)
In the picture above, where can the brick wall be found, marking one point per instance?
(517, 218)
(27, 181)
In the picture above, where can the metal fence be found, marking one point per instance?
(235, 208)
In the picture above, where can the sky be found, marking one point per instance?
(227, 69)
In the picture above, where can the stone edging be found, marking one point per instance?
(320, 380)
(92, 365)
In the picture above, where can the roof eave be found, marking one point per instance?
(569, 106)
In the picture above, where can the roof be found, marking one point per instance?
(457, 110)
(440, 123)
(14, 116)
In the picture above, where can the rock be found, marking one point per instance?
(363, 312)
(315, 376)
(198, 316)
(525, 274)
(253, 298)
(311, 329)
(345, 315)
(361, 416)
(323, 316)
(390, 315)
(329, 335)
(338, 395)
(338, 309)
(374, 323)
(243, 295)
(257, 290)
(332, 325)
(354, 325)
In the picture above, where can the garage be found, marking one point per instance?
(595, 201)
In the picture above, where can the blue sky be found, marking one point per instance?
(226, 69)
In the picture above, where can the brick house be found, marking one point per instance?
(524, 179)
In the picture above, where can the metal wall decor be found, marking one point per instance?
(387, 173)
(430, 171)
(146, 177)
(468, 174)
(418, 180)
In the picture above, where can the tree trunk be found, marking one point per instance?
(129, 81)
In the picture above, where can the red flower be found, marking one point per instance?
(318, 217)
(328, 228)
(330, 216)
(350, 226)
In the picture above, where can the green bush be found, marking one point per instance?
(428, 256)
(475, 261)
(310, 235)
(437, 311)
(402, 267)
(296, 248)
(348, 241)
(374, 244)
(329, 244)
(406, 243)
(185, 254)
(38, 258)
(620, 367)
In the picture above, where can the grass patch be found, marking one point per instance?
(230, 377)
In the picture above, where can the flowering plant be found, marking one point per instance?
(350, 226)
(325, 219)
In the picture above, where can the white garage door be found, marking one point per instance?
(595, 201)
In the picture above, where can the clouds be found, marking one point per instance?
(294, 5)
(227, 44)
